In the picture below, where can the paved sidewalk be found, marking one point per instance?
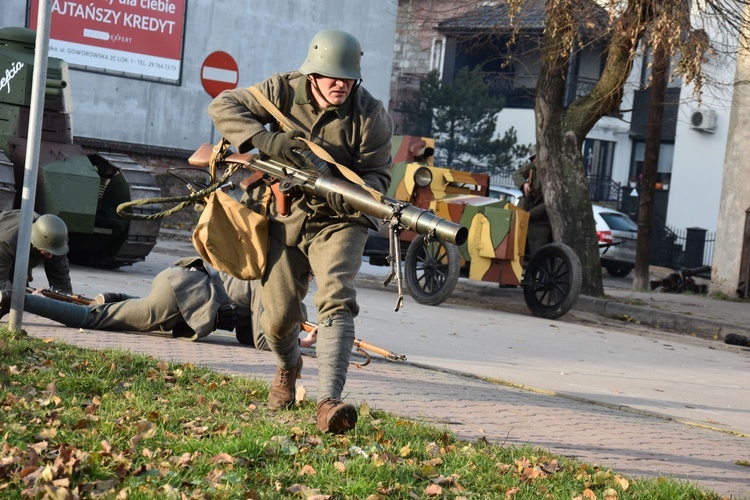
(630, 443)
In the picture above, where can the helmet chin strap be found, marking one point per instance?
(314, 84)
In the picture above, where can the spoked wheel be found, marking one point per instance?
(431, 270)
(552, 281)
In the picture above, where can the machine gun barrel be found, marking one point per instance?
(409, 216)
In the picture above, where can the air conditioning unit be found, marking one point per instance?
(705, 120)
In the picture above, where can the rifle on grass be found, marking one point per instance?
(398, 215)
(54, 293)
(362, 347)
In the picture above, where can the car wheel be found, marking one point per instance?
(618, 271)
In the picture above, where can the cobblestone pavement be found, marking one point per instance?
(627, 442)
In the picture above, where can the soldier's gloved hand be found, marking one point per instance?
(342, 208)
(281, 145)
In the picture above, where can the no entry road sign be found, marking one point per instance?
(218, 73)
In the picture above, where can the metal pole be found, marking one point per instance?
(31, 167)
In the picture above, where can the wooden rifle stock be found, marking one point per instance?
(52, 293)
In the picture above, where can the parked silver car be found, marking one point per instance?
(619, 230)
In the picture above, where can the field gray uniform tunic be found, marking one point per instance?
(188, 293)
(56, 268)
(312, 237)
(540, 231)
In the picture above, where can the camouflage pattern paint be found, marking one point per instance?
(497, 230)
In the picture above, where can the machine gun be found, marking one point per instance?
(398, 215)
(682, 281)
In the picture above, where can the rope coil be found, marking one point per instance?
(184, 201)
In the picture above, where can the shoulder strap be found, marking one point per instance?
(268, 105)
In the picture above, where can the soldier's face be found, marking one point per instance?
(330, 91)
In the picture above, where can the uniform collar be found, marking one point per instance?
(302, 97)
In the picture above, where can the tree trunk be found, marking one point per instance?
(560, 163)
(561, 132)
(650, 166)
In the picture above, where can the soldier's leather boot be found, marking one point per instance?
(335, 416)
(283, 390)
(4, 303)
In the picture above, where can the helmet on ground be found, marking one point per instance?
(335, 54)
(49, 233)
(532, 152)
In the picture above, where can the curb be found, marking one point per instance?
(683, 323)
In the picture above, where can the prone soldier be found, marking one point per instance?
(49, 245)
(190, 299)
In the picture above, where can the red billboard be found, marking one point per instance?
(134, 38)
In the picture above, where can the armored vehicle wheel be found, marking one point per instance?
(552, 281)
(431, 270)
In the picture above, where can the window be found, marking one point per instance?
(666, 155)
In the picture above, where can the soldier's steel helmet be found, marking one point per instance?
(49, 233)
(532, 152)
(335, 54)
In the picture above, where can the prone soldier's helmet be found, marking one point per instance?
(49, 233)
(335, 54)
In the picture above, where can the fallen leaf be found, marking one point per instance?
(433, 490)
(307, 470)
(222, 458)
(610, 494)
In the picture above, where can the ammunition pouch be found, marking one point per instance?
(226, 317)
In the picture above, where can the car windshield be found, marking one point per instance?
(619, 222)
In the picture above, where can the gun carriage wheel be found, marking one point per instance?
(431, 270)
(552, 281)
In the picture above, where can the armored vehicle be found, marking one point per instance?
(496, 245)
(82, 189)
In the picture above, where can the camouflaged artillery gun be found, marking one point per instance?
(495, 247)
(83, 190)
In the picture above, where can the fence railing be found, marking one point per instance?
(681, 248)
